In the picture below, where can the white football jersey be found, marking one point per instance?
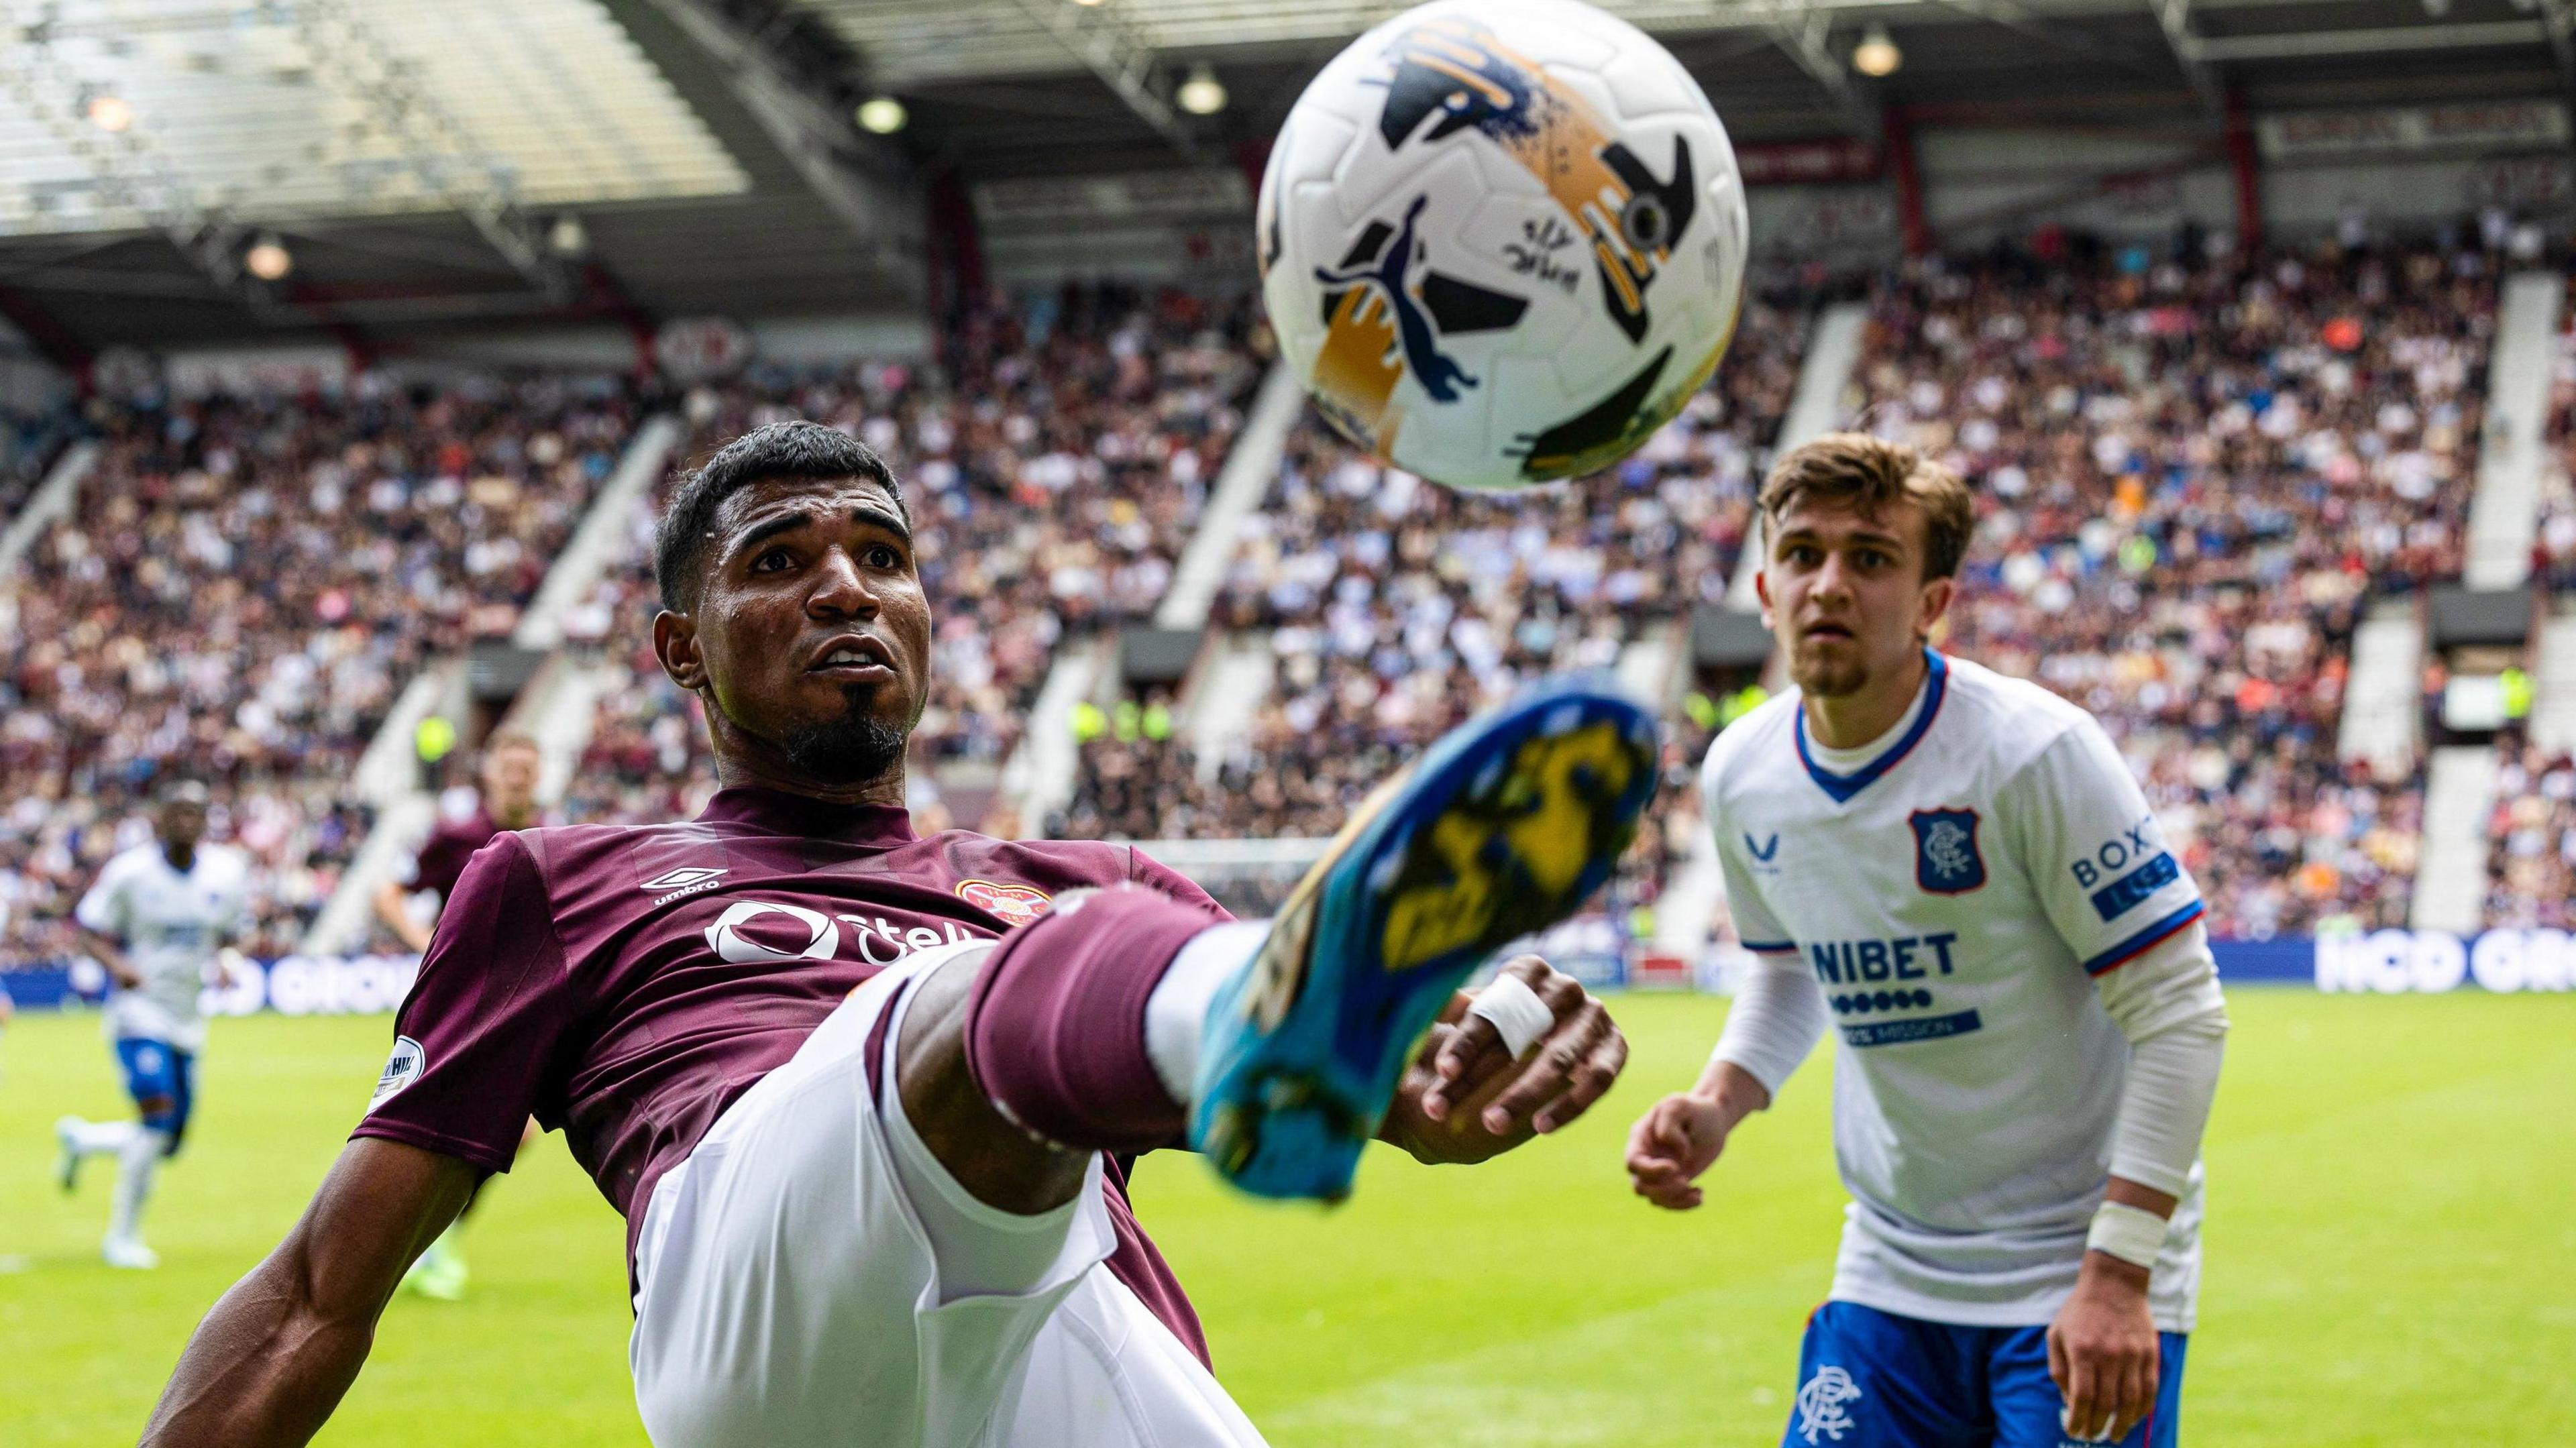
(1954, 889)
(171, 925)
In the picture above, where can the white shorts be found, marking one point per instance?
(790, 1297)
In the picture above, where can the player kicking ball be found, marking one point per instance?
(1956, 871)
(157, 918)
(867, 1101)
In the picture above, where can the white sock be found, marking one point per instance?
(137, 1162)
(102, 1138)
(1176, 1012)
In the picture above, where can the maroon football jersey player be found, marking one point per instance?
(505, 798)
(864, 1098)
(625, 984)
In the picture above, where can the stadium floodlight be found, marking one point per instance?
(882, 115)
(268, 259)
(1202, 94)
(110, 113)
(1087, 3)
(1876, 56)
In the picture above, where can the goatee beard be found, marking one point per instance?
(1823, 679)
(852, 749)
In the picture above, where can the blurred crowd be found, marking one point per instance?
(2190, 471)
(246, 582)
(1054, 462)
(1396, 608)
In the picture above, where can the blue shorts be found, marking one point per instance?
(1872, 1379)
(162, 1079)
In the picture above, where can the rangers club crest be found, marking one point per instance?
(1946, 861)
(1016, 904)
(1823, 1401)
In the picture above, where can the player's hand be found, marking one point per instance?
(1466, 1098)
(2103, 1351)
(1677, 1139)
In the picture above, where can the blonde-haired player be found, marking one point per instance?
(1956, 871)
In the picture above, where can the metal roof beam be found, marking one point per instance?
(128, 168)
(2174, 16)
(2312, 44)
(2558, 20)
(1103, 38)
(434, 147)
(1807, 37)
(863, 183)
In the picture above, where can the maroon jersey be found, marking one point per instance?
(440, 861)
(627, 983)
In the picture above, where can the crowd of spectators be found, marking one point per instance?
(2190, 472)
(2531, 879)
(1054, 461)
(1397, 608)
(246, 582)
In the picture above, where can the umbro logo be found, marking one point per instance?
(686, 880)
(1765, 850)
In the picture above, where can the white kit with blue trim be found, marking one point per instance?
(172, 924)
(1953, 890)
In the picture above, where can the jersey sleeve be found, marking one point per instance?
(104, 909)
(1144, 869)
(2095, 853)
(1759, 930)
(477, 1035)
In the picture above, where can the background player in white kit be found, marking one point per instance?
(158, 919)
(1957, 870)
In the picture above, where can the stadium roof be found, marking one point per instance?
(1777, 68)
(418, 160)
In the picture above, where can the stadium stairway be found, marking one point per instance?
(1250, 466)
(1239, 672)
(52, 499)
(1038, 777)
(556, 706)
(2504, 519)
(2504, 513)
(2382, 705)
(2553, 704)
(2451, 875)
(1817, 408)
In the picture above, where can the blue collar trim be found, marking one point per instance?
(1843, 786)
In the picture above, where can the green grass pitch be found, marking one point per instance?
(2392, 1257)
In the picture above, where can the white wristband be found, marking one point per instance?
(1516, 1011)
(2132, 1234)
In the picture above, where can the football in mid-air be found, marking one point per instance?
(1502, 241)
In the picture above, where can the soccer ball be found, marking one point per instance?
(1502, 241)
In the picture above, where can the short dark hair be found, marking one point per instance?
(1856, 470)
(778, 450)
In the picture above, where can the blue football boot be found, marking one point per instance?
(1500, 829)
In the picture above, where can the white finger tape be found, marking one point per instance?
(2132, 1234)
(1516, 1011)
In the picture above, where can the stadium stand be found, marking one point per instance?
(391, 522)
(1054, 468)
(1395, 609)
(2192, 472)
